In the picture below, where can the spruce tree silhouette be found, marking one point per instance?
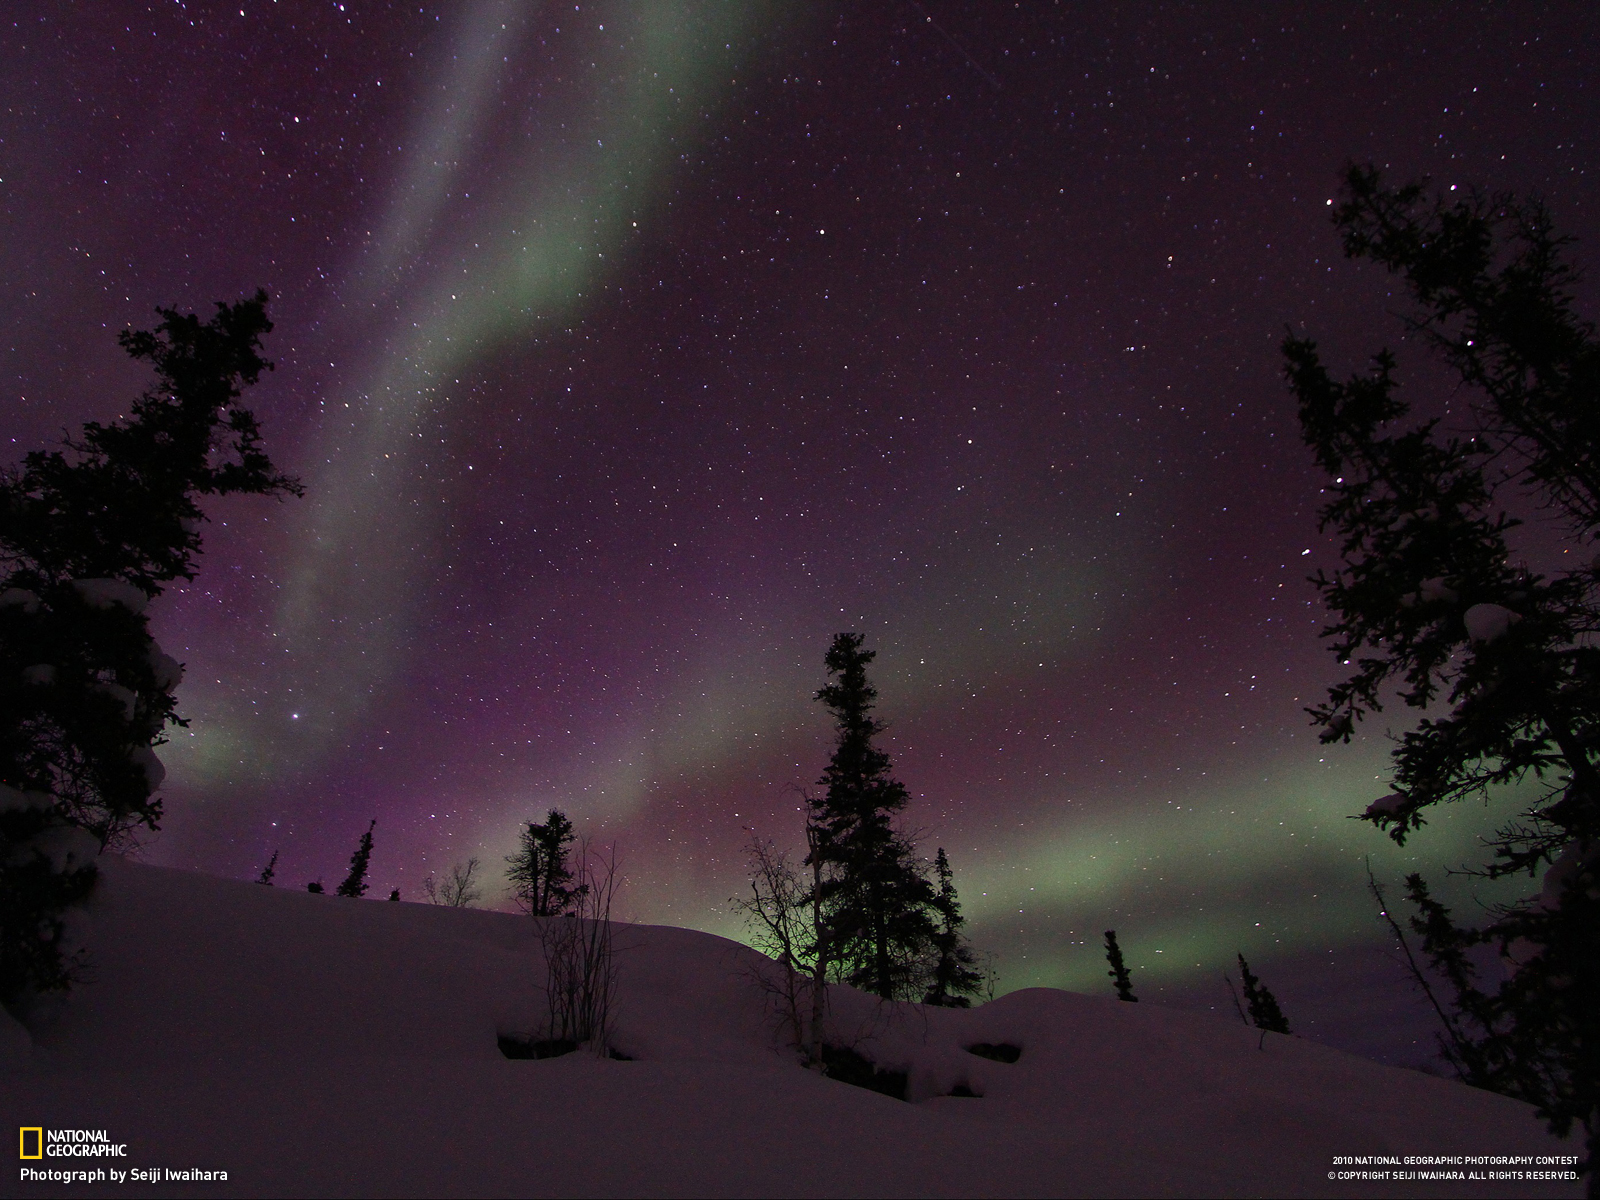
(1263, 1005)
(355, 883)
(1432, 608)
(956, 978)
(878, 903)
(540, 876)
(1119, 970)
(88, 536)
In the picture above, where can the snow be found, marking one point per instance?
(1489, 622)
(1568, 866)
(1386, 806)
(66, 848)
(124, 696)
(154, 770)
(1430, 591)
(313, 1045)
(16, 1047)
(103, 593)
(12, 800)
(21, 598)
(1433, 590)
(168, 670)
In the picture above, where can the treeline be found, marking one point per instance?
(863, 907)
(543, 880)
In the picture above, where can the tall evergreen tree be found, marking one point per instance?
(1429, 605)
(268, 871)
(955, 976)
(355, 883)
(1263, 1005)
(1119, 970)
(877, 901)
(88, 536)
(541, 879)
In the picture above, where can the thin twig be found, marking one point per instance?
(1237, 1007)
(1416, 971)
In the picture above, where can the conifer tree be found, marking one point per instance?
(877, 900)
(268, 871)
(955, 977)
(88, 536)
(355, 883)
(1119, 970)
(1430, 606)
(1263, 1005)
(541, 878)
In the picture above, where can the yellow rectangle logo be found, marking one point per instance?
(38, 1141)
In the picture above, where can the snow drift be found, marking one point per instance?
(316, 1046)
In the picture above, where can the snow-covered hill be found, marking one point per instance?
(310, 1045)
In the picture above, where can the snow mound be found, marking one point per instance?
(1386, 806)
(1489, 622)
(104, 593)
(12, 800)
(168, 670)
(1434, 590)
(21, 598)
(145, 759)
(313, 1045)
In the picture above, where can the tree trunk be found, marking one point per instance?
(819, 969)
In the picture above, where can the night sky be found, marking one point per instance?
(628, 352)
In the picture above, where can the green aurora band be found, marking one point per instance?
(461, 267)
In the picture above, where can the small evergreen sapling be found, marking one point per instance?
(355, 883)
(956, 978)
(1263, 1005)
(1119, 969)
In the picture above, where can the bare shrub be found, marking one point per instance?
(787, 925)
(775, 914)
(460, 888)
(579, 950)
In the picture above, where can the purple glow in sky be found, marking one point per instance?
(629, 352)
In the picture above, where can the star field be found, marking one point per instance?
(629, 352)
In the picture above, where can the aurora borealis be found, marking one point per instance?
(629, 351)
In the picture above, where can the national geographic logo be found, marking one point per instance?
(38, 1142)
